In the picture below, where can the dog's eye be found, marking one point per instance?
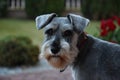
(49, 32)
(67, 33)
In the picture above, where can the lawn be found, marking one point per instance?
(18, 27)
(93, 28)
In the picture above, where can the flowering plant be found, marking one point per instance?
(110, 29)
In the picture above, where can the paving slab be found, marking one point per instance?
(42, 75)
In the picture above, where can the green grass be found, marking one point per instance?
(93, 28)
(16, 27)
(27, 28)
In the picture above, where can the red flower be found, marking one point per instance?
(103, 25)
(104, 33)
(108, 29)
(116, 18)
(118, 21)
(108, 25)
(111, 25)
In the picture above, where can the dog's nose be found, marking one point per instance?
(55, 47)
(55, 50)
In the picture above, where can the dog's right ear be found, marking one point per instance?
(78, 21)
(43, 20)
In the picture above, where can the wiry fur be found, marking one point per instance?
(67, 53)
(67, 44)
(97, 60)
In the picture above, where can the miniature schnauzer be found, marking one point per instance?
(66, 44)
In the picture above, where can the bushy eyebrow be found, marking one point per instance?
(66, 27)
(51, 25)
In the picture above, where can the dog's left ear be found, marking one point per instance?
(43, 20)
(78, 22)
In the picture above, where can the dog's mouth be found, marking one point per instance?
(55, 56)
(57, 61)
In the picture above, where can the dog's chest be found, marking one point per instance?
(88, 71)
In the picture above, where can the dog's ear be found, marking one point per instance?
(43, 20)
(78, 21)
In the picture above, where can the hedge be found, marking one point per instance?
(100, 9)
(38, 7)
(3, 8)
(17, 51)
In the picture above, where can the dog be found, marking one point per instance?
(66, 44)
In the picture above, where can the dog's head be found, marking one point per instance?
(61, 35)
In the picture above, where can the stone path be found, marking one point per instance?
(42, 75)
(45, 74)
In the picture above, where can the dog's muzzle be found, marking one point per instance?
(56, 53)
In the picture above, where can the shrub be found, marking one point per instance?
(18, 51)
(3, 8)
(54, 6)
(99, 9)
(38, 7)
(110, 29)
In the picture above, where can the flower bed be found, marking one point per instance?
(110, 29)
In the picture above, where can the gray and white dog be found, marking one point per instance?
(66, 44)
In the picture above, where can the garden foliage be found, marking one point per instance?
(18, 51)
(38, 7)
(110, 29)
(100, 9)
(3, 8)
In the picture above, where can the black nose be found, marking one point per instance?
(55, 47)
(55, 50)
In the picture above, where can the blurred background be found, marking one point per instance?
(20, 40)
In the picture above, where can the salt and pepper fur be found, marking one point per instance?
(66, 44)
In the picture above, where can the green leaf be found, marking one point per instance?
(117, 35)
